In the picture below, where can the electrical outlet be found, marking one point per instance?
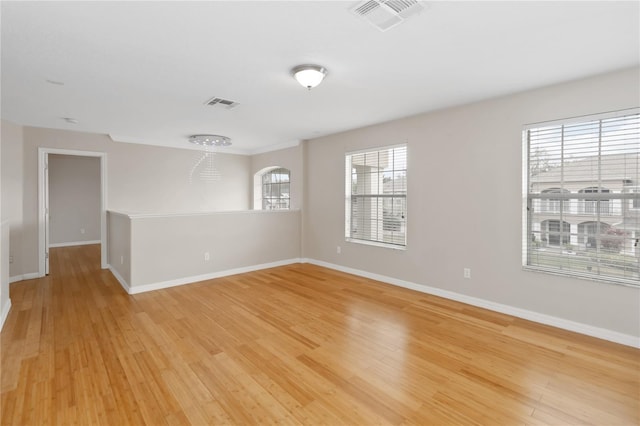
(467, 272)
(207, 256)
(82, 230)
(121, 260)
(338, 249)
(10, 259)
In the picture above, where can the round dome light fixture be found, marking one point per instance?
(309, 75)
(210, 140)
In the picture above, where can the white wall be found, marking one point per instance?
(464, 203)
(74, 199)
(140, 179)
(12, 183)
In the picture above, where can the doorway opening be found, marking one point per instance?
(44, 206)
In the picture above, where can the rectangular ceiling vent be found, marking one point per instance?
(225, 103)
(386, 14)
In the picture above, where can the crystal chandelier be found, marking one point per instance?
(205, 166)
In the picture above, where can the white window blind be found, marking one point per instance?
(276, 189)
(581, 187)
(376, 196)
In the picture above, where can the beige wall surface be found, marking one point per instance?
(465, 202)
(74, 198)
(119, 245)
(148, 179)
(140, 179)
(165, 248)
(11, 170)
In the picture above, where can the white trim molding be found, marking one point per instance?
(196, 278)
(277, 147)
(75, 243)
(5, 312)
(43, 153)
(121, 280)
(31, 276)
(586, 329)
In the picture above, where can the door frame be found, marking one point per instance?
(43, 195)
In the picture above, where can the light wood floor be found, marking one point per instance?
(295, 345)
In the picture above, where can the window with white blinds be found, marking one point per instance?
(276, 189)
(581, 192)
(376, 196)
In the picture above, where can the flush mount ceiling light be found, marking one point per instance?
(210, 140)
(309, 75)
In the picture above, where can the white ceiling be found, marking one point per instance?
(142, 71)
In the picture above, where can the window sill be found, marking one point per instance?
(376, 244)
(583, 276)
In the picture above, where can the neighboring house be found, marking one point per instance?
(578, 225)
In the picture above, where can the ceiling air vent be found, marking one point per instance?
(222, 103)
(386, 14)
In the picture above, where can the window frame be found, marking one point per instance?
(530, 198)
(588, 206)
(259, 186)
(635, 202)
(381, 196)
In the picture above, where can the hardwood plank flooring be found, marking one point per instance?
(298, 344)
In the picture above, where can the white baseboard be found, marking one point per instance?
(121, 280)
(188, 280)
(589, 330)
(5, 312)
(75, 243)
(23, 277)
